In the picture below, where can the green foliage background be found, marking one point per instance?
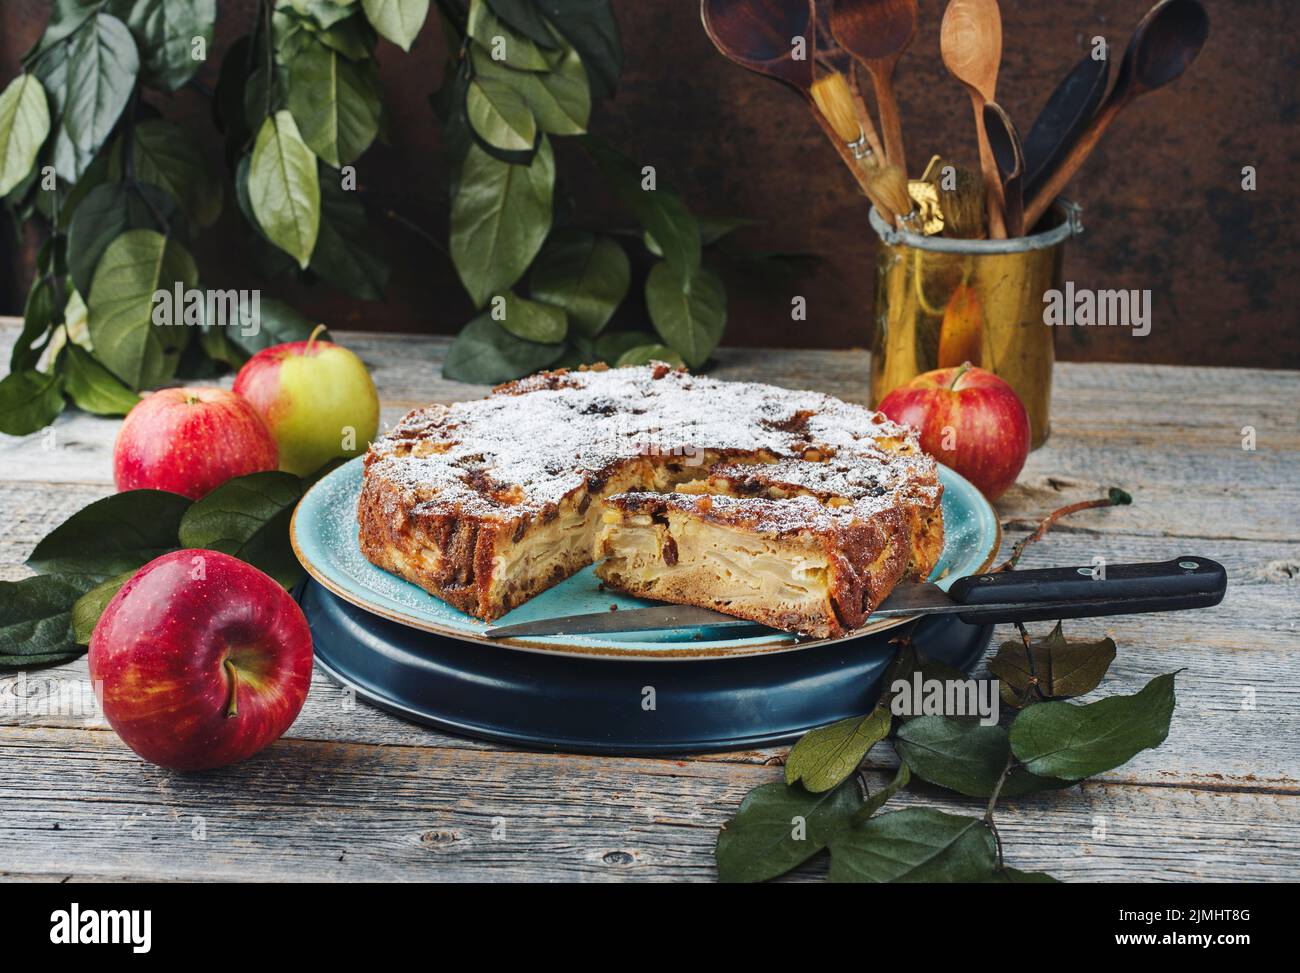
(120, 193)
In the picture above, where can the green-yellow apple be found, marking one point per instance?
(316, 397)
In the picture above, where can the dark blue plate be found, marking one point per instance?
(584, 704)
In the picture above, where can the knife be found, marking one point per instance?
(1190, 581)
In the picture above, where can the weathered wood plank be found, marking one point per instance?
(352, 792)
(307, 809)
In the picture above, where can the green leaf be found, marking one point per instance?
(907, 666)
(614, 345)
(248, 518)
(87, 609)
(500, 116)
(1060, 669)
(36, 621)
(283, 188)
(559, 99)
(268, 260)
(499, 219)
(712, 229)
(1072, 742)
(92, 387)
(689, 316)
(29, 401)
(89, 77)
(914, 845)
(397, 20)
(485, 353)
(277, 323)
(590, 26)
(586, 275)
(902, 777)
(532, 320)
(65, 17)
(965, 757)
(44, 307)
(166, 155)
(354, 38)
(661, 212)
(108, 211)
(347, 253)
(119, 533)
(135, 266)
(523, 16)
(24, 126)
(644, 354)
(164, 31)
(502, 43)
(824, 757)
(779, 826)
(336, 103)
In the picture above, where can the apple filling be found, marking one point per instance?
(677, 557)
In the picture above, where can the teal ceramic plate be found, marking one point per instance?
(324, 534)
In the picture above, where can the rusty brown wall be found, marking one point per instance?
(1164, 207)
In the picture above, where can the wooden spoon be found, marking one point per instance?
(1004, 140)
(877, 32)
(1063, 119)
(758, 35)
(1166, 41)
(970, 40)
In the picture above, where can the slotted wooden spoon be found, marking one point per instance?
(877, 32)
(1166, 41)
(970, 40)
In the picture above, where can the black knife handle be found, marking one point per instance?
(1191, 581)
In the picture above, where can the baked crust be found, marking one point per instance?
(485, 504)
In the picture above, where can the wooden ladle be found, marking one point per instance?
(970, 40)
(1004, 140)
(877, 32)
(758, 35)
(1166, 41)
(1063, 119)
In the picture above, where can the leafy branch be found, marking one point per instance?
(48, 619)
(1049, 744)
(119, 193)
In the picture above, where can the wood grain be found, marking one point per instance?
(352, 793)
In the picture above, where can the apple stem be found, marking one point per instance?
(311, 339)
(232, 708)
(965, 367)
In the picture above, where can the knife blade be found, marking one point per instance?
(1185, 582)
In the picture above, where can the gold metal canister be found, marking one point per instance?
(943, 301)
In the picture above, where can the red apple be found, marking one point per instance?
(968, 419)
(200, 660)
(189, 441)
(316, 397)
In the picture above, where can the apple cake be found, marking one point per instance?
(790, 508)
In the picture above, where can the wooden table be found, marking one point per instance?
(352, 793)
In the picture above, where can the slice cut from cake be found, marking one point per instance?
(796, 564)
